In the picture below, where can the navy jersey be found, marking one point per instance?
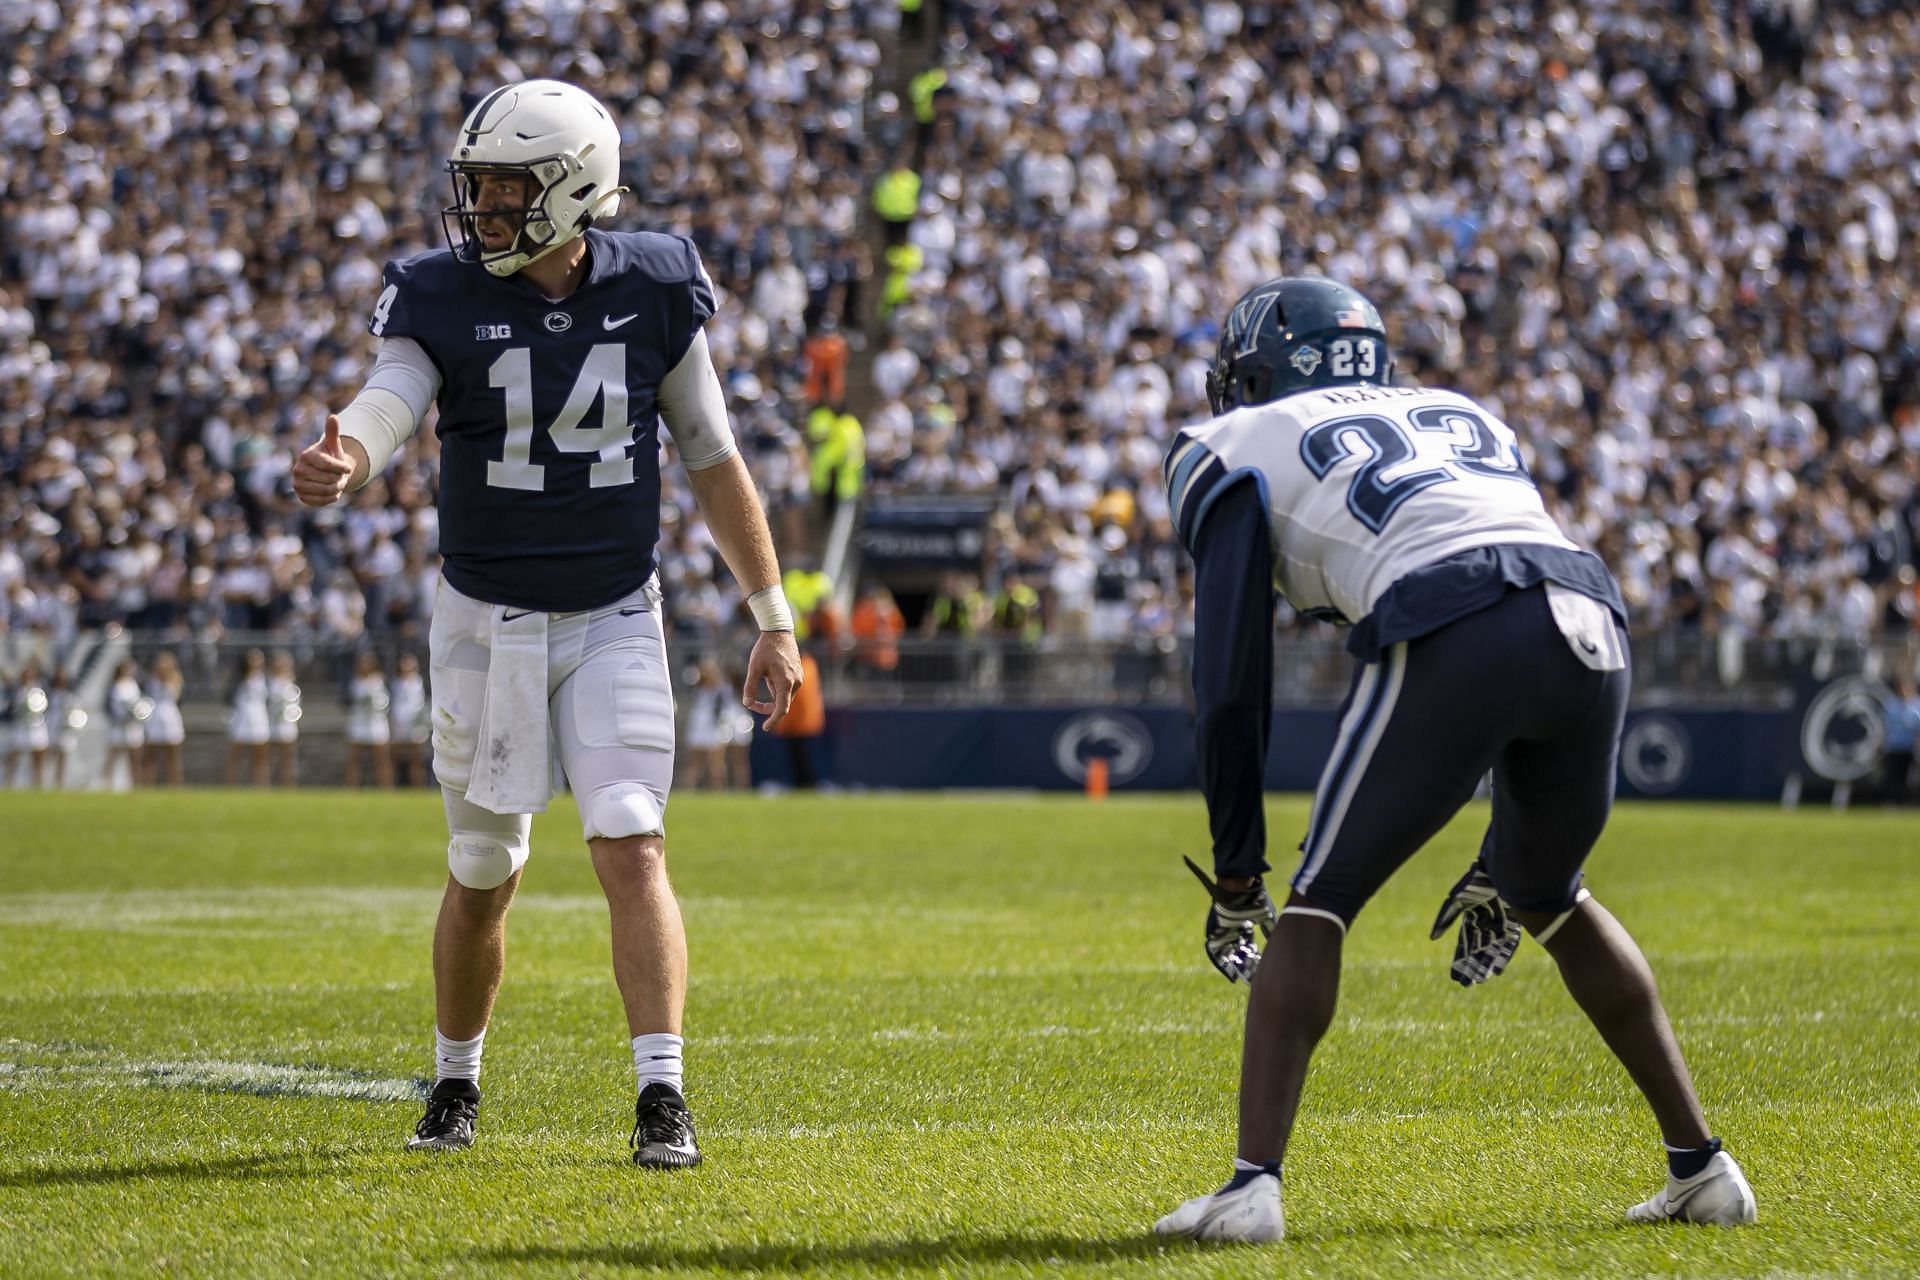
(549, 423)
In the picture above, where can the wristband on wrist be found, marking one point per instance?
(770, 609)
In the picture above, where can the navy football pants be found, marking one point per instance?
(1499, 689)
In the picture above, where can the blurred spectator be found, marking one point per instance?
(810, 595)
(1903, 728)
(826, 356)
(408, 727)
(368, 733)
(166, 729)
(877, 627)
(33, 735)
(839, 464)
(66, 717)
(128, 711)
(284, 712)
(247, 721)
(713, 726)
(896, 198)
(804, 725)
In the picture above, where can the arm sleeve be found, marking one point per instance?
(388, 410)
(1233, 670)
(694, 408)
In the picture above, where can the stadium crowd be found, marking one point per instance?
(1664, 242)
(195, 203)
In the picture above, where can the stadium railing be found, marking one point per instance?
(1671, 667)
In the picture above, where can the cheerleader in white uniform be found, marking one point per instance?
(367, 731)
(283, 717)
(128, 710)
(32, 734)
(247, 720)
(68, 718)
(9, 730)
(407, 720)
(710, 729)
(166, 728)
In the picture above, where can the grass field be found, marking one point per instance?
(926, 1036)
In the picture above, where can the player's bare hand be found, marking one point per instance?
(322, 471)
(774, 665)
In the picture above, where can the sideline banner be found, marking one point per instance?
(1664, 752)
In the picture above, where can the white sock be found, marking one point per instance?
(456, 1059)
(656, 1060)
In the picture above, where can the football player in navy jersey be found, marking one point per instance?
(1486, 641)
(554, 349)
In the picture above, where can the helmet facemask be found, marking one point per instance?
(533, 231)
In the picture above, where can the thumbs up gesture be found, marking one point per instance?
(322, 471)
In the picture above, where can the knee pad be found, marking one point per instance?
(624, 809)
(485, 859)
(485, 849)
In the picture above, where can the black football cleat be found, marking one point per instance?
(452, 1109)
(663, 1130)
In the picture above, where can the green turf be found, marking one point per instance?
(926, 1035)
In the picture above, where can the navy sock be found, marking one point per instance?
(1686, 1162)
(1245, 1171)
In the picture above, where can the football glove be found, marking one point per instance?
(1230, 921)
(1488, 935)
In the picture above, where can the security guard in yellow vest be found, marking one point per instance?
(808, 590)
(896, 198)
(839, 456)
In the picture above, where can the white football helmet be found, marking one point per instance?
(554, 133)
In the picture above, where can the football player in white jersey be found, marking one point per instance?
(1486, 641)
(554, 349)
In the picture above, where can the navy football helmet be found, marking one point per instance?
(1298, 333)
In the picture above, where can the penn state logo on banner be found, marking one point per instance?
(1656, 754)
(1844, 728)
(1126, 744)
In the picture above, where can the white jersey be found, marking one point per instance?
(1364, 485)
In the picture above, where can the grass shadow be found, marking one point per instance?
(944, 1253)
(893, 1255)
(288, 1164)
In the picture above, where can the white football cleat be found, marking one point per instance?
(1718, 1194)
(1246, 1210)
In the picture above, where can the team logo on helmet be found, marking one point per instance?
(1305, 359)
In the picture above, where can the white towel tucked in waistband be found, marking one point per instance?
(511, 766)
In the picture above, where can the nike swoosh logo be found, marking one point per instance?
(610, 324)
(628, 613)
(525, 613)
(1677, 1201)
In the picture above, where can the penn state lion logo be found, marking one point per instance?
(1656, 754)
(1844, 729)
(1123, 740)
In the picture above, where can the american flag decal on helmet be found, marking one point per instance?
(1350, 320)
